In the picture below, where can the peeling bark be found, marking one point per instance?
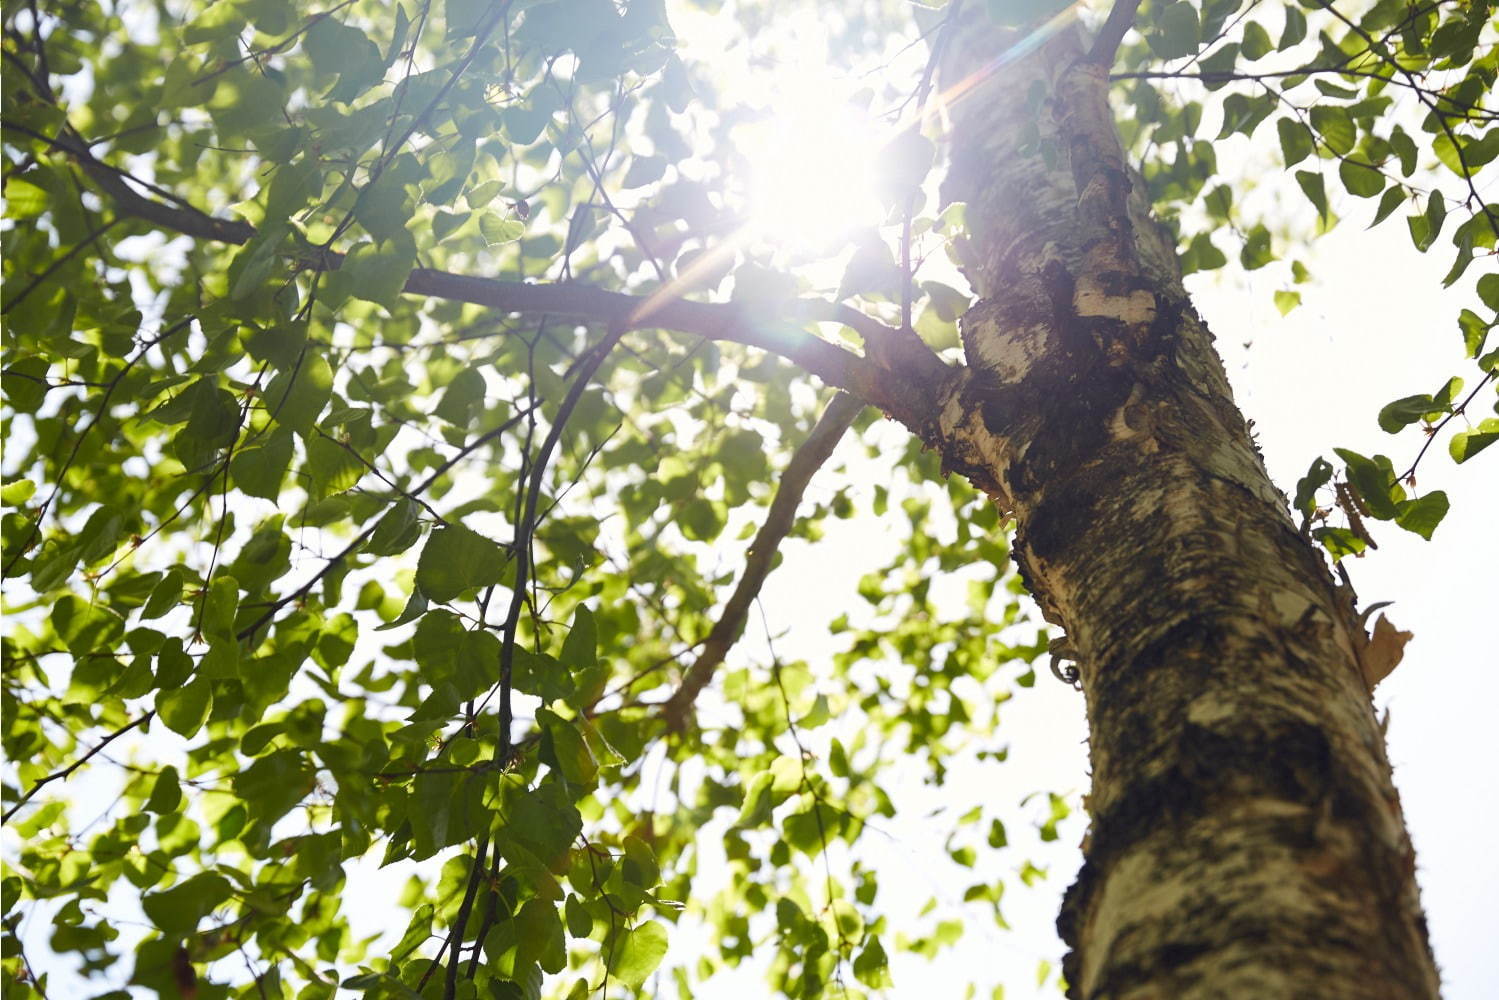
(1246, 837)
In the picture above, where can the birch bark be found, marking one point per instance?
(1246, 837)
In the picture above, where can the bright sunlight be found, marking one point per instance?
(812, 152)
(812, 163)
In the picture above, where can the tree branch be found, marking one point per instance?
(62, 774)
(1119, 21)
(810, 457)
(892, 375)
(1385, 57)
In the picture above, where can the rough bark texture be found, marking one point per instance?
(1246, 838)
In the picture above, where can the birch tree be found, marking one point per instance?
(407, 404)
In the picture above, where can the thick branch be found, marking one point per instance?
(893, 376)
(815, 451)
(1120, 20)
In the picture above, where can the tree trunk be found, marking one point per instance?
(1246, 837)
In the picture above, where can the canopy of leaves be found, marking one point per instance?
(1380, 111)
(355, 509)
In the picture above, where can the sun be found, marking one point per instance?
(811, 156)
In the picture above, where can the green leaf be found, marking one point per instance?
(564, 749)
(332, 467)
(1339, 542)
(23, 199)
(16, 493)
(213, 423)
(1362, 181)
(1296, 142)
(273, 784)
(872, 966)
(416, 606)
(1286, 300)
(337, 49)
(1405, 149)
(1474, 330)
(1176, 33)
(1404, 412)
(497, 230)
(1392, 200)
(641, 951)
(259, 470)
(1294, 31)
(456, 559)
(383, 206)
(166, 792)
(1375, 481)
(1423, 514)
(580, 648)
(464, 17)
(444, 223)
(1336, 127)
(579, 921)
(640, 867)
(1465, 444)
(579, 228)
(1425, 228)
(166, 595)
(1256, 252)
(540, 936)
(541, 675)
(463, 398)
(378, 274)
(1202, 255)
(220, 602)
(758, 802)
(1256, 42)
(185, 709)
(85, 627)
(26, 383)
(178, 910)
(296, 396)
(524, 125)
(397, 530)
(1311, 186)
(1488, 290)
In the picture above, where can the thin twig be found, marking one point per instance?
(811, 456)
(51, 269)
(63, 774)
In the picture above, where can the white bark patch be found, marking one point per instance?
(1135, 309)
(1210, 710)
(1290, 606)
(1010, 354)
(967, 439)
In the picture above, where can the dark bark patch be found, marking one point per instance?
(1165, 331)
(1283, 759)
(1058, 521)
